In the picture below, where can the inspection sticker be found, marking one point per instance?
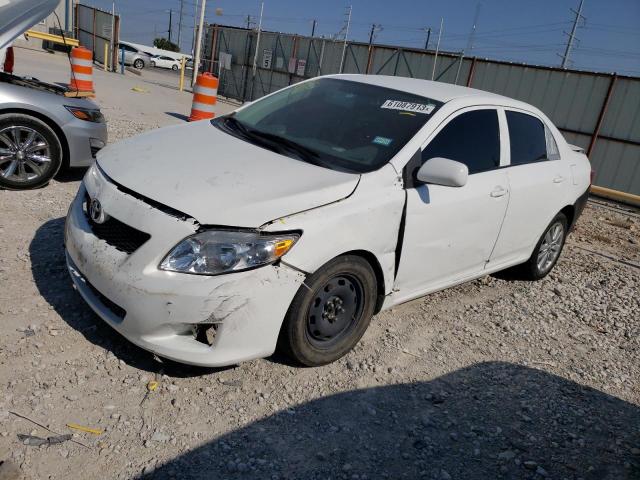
(382, 141)
(426, 108)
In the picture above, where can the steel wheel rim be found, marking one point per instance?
(550, 247)
(25, 155)
(335, 310)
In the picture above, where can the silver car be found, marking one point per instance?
(41, 130)
(132, 56)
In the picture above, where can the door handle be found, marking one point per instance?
(558, 179)
(498, 192)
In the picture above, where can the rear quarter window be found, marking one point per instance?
(527, 137)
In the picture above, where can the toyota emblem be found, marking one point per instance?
(96, 212)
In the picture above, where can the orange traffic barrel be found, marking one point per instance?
(81, 69)
(205, 92)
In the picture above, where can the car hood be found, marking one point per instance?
(219, 179)
(18, 16)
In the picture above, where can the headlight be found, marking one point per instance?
(88, 114)
(218, 251)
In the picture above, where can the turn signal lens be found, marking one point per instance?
(86, 114)
(282, 247)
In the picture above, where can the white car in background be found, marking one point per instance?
(162, 61)
(293, 220)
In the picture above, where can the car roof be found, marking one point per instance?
(440, 91)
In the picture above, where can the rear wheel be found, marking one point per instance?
(547, 251)
(330, 312)
(139, 64)
(30, 152)
(174, 67)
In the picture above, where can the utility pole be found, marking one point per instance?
(180, 25)
(313, 28)
(572, 35)
(255, 56)
(469, 47)
(248, 22)
(195, 30)
(426, 44)
(112, 40)
(170, 22)
(435, 59)
(196, 60)
(374, 27)
(346, 34)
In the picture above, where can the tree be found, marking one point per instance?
(165, 44)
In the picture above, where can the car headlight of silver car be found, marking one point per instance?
(213, 252)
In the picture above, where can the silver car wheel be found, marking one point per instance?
(24, 154)
(550, 247)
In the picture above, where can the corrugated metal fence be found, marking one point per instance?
(599, 112)
(93, 30)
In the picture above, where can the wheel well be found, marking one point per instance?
(53, 125)
(569, 212)
(373, 261)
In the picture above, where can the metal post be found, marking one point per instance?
(113, 30)
(195, 30)
(603, 111)
(435, 59)
(122, 60)
(346, 34)
(373, 29)
(183, 62)
(313, 28)
(471, 71)
(255, 55)
(196, 60)
(321, 57)
(105, 60)
(426, 44)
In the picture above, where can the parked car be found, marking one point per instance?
(132, 56)
(162, 61)
(41, 130)
(293, 220)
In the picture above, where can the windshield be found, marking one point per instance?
(338, 124)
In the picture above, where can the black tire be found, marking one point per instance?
(27, 176)
(153, 64)
(344, 289)
(531, 269)
(139, 64)
(174, 68)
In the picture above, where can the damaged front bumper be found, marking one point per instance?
(167, 312)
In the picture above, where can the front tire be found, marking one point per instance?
(30, 152)
(153, 64)
(547, 251)
(330, 312)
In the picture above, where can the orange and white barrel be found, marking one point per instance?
(205, 93)
(81, 69)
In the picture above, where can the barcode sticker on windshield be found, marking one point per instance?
(426, 108)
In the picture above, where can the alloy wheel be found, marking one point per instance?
(550, 247)
(25, 155)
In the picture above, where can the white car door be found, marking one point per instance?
(538, 181)
(450, 232)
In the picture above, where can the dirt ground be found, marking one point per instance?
(496, 378)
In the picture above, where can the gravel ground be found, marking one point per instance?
(496, 378)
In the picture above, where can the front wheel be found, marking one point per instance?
(547, 251)
(30, 152)
(330, 312)
(153, 64)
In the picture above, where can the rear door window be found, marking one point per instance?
(472, 138)
(527, 137)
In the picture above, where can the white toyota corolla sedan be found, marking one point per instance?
(293, 220)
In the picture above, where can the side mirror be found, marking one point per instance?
(443, 171)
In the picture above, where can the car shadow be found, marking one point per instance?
(71, 174)
(487, 421)
(179, 116)
(49, 270)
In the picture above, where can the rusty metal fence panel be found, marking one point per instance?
(93, 31)
(599, 112)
